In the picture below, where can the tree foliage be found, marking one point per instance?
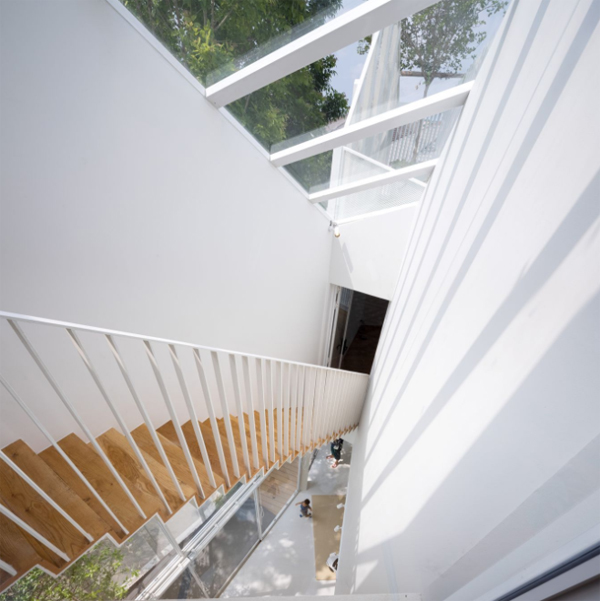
(436, 41)
(96, 576)
(223, 35)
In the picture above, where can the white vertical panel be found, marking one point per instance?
(280, 411)
(261, 408)
(240, 412)
(300, 413)
(270, 386)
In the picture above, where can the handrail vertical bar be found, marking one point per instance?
(261, 409)
(145, 416)
(323, 407)
(240, 412)
(211, 415)
(60, 451)
(311, 382)
(250, 406)
(6, 567)
(178, 431)
(193, 415)
(25, 526)
(336, 404)
(270, 383)
(280, 413)
(293, 413)
(28, 346)
(122, 425)
(226, 416)
(44, 495)
(286, 415)
(300, 409)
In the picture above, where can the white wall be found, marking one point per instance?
(368, 255)
(476, 465)
(129, 202)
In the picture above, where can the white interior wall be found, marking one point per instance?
(476, 464)
(129, 202)
(368, 254)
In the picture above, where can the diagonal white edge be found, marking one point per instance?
(6, 567)
(424, 168)
(326, 39)
(409, 113)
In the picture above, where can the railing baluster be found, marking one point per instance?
(286, 414)
(25, 526)
(60, 451)
(293, 417)
(44, 494)
(300, 410)
(33, 353)
(280, 413)
(122, 425)
(6, 567)
(226, 416)
(178, 431)
(270, 399)
(250, 406)
(142, 409)
(261, 409)
(311, 384)
(211, 415)
(193, 415)
(240, 412)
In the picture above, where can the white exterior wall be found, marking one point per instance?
(129, 202)
(368, 255)
(476, 464)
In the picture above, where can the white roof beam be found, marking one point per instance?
(326, 39)
(409, 113)
(424, 168)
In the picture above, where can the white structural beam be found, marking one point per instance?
(409, 113)
(390, 177)
(326, 39)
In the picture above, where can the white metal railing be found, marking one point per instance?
(313, 404)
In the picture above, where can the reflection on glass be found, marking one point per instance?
(399, 147)
(276, 490)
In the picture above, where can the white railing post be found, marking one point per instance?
(240, 412)
(142, 409)
(193, 415)
(261, 409)
(124, 429)
(226, 416)
(25, 526)
(250, 406)
(280, 413)
(60, 451)
(270, 384)
(178, 431)
(40, 491)
(311, 385)
(6, 567)
(286, 415)
(37, 359)
(294, 385)
(211, 415)
(300, 409)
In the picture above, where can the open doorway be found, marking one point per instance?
(358, 320)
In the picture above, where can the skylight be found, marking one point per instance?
(232, 46)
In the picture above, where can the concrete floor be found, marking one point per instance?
(284, 562)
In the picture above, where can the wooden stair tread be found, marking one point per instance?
(15, 548)
(36, 512)
(123, 457)
(52, 458)
(168, 431)
(177, 460)
(97, 473)
(52, 484)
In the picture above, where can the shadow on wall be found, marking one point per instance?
(554, 370)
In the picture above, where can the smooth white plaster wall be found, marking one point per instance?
(129, 202)
(476, 464)
(368, 255)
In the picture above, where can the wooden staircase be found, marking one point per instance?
(51, 473)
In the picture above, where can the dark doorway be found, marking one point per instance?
(358, 328)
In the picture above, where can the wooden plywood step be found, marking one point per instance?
(168, 431)
(97, 473)
(56, 488)
(123, 457)
(36, 512)
(178, 461)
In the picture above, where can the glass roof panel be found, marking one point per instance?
(214, 38)
(399, 147)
